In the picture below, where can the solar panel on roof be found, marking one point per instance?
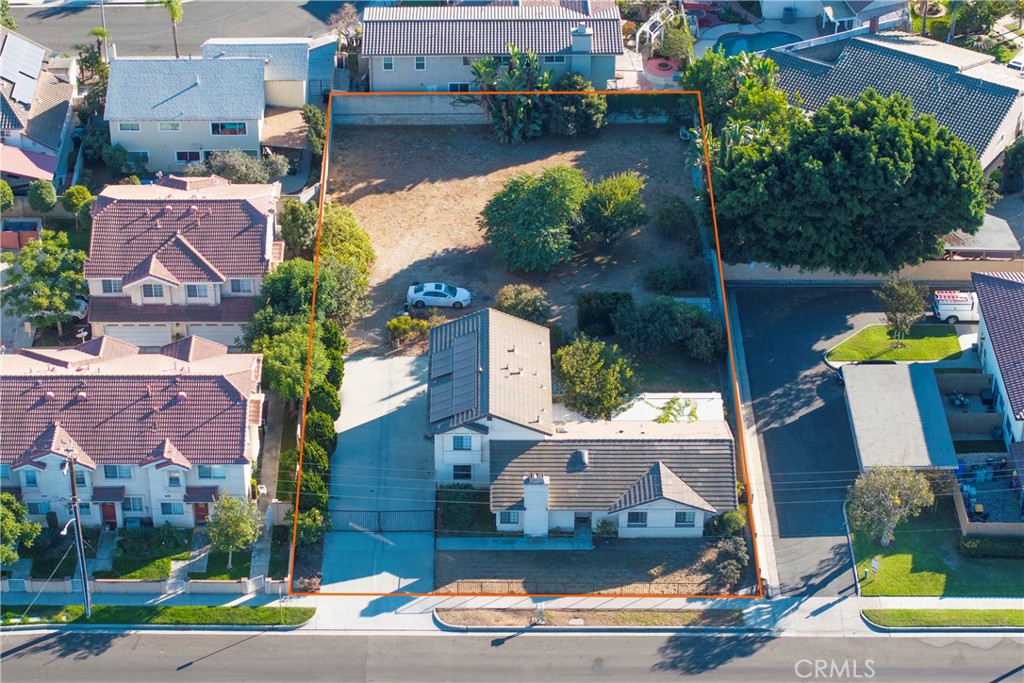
(24, 89)
(20, 56)
(442, 363)
(464, 372)
(441, 401)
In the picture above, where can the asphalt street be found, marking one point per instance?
(146, 31)
(85, 657)
(802, 425)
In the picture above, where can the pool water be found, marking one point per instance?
(735, 43)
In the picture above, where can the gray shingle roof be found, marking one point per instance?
(489, 363)
(185, 90)
(956, 86)
(616, 466)
(285, 58)
(43, 119)
(1001, 298)
(542, 27)
(660, 483)
(993, 235)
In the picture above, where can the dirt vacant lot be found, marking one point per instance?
(709, 618)
(419, 192)
(615, 566)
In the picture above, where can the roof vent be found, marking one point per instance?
(584, 455)
(182, 396)
(48, 396)
(168, 209)
(513, 349)
(82, 396)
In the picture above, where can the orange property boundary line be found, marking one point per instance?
(728, 331)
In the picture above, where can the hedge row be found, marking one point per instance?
(991, 546)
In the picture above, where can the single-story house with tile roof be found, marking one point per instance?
(156, 436)
(431, 48)
(648, 479)
(977, 99)
(1001, 345)
(182, 257)
(36, 96)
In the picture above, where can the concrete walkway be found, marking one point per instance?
(196, 561)
(270, 459)
(260, 565)
(104, 560)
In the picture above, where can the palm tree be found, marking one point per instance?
(924, 17)
(955, 7)
(101, 35)
(174, 9)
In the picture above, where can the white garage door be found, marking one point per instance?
(140, 335)
(222, 334)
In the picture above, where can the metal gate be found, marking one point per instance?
(371, 520)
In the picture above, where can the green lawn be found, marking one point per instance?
(179, 614)
(217, 566)
(946, 617)
(280, 551)
(980, 446)
(924, 560)
(671, 370)
(925, 342)
(78, 239)
(144, 562)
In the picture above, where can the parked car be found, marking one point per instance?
(437, 294)
(955, 306)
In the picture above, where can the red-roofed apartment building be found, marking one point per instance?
(180, 257)
(155, 437)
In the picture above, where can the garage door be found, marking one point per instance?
(222, 334)
(140, 335)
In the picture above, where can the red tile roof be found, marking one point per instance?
(111, 309)
(202, 494)
(1001, 299)
(55, 439)
(108, 494)
(193, 348)
(165, 455)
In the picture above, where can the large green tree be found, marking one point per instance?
(571, 116)
(883, 497)
(288, 289)
(342, 237)
(42, 196)
(74, 198)
(529, 222)
(239, 167)
(515, 117)
(298, 225)
(866, 186)
(44, 279)
(596, 379)
(285, 358)
(904, 303)
(6, 20)
(15, 528)
(6, 196)
(234, 525)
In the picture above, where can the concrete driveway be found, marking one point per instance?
(382, 473)
(803, 429)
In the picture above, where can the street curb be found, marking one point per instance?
(41, 626)
(703, 630)
(937, 629)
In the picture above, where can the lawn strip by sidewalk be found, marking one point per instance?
(937, 618)
(712, 618)
(184, 615)
(217, 566)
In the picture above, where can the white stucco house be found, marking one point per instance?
(1001, 345)
(297, 71)
(155, 438)
(181, 257)
(490, 397)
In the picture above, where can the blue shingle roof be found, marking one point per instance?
(286, 58)
(185, 89)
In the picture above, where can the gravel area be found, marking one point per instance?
(596, 617)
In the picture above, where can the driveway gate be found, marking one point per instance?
(395, 520)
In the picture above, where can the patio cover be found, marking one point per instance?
(14, 161)
(993, 235)
(201, 494)
(108, 494)
(898, 417)
(284, 128)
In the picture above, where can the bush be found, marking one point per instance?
(939, 28)
(320, 430)
(405, 329)
(645, 329)
(315, 459)
(674, 219)
(594, 311)
(115, 157)
(6, 196)
(313, 492)
(730, 573)
(330, 335)
(558, 336)
(670, 278)
(130, 180)
(323, 397)
(74, 198)
(991, 546)
(311, 526)
(731, 523)
(94, 140)
(335, 368)
(524, 301)
(628, 29)
(596, 380)
(42, 196)
(734, 548)
(575, 115)
(702, 336)
(607, 527)
(614, 205)
(455, 506)
(51, 520)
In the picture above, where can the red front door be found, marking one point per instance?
(202, 511)
(109, 513)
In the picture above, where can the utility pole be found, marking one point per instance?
(78, 534)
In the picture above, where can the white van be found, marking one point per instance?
(955, 306)
(1017, 63)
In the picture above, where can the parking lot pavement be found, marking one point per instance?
(803, 429)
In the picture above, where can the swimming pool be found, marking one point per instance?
(735, 43)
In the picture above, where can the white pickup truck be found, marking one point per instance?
(955, 306)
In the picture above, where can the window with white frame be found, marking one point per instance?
(152, 291)
(169, 126)
(85, 509)
(636, 519)
(509, 517)
(5, 471)
(188, 156)
(462, 443)
(172, 508)
(388, 63)
(462, 472)
(111, 286)
(241, 286)
(212, 472)
(174, 480)
(133, 504)
(421, 63)
(141, 157)
(129, 126)
(117, 471)
(29, 479)
(38, 508)
(554, 59)
(458, 87)
(227, 128)
(196, 291)
(685, 518)
(80, 478)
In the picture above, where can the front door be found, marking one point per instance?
(109, 513)
(201, 511)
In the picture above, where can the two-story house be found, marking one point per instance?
(1001, 345)
(297, 71)
(168, 113)
(432, 48)
(181, 257)
(157, 437)
(36, 95)
(490, 405)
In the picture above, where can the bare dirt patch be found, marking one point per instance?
(419, 191)
(654, 618)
